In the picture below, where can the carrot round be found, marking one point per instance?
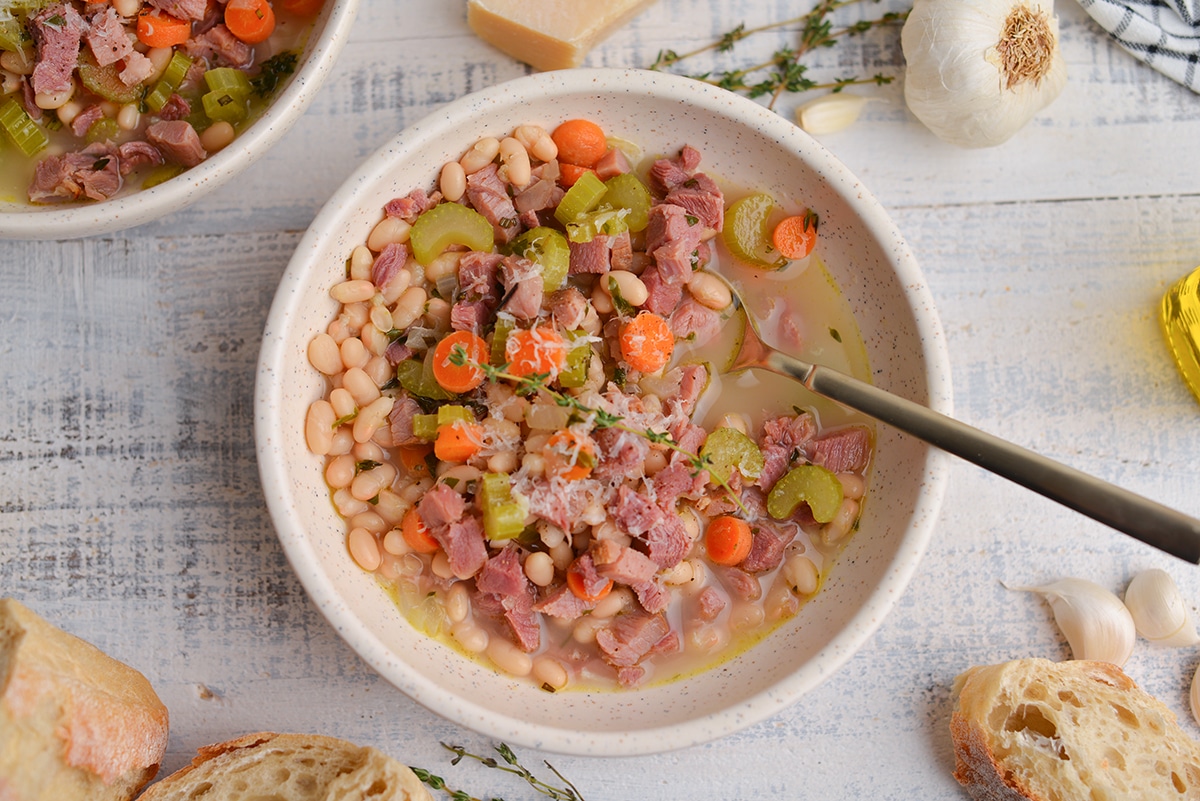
(413, 457)
(568, 174)
(795, 237)
(464, 377)
(728, 540)
(575, 583)
(569, 455)
(458, 442)
(647, 342)
(156, 29)
(252, 21)
(413, 529)
(302, 8)
(580, 142)
(538, 350)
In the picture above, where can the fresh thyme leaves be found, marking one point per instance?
(508, 763)
(783, 72)
(273, 71)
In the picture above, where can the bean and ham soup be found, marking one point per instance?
(525, 428)
(99, 99)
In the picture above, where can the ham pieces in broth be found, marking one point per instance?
(527, 435)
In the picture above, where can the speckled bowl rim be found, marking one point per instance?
(707, 725)
(328, 37)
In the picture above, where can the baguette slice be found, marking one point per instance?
(289, 767)
(1060, 731)
(74, 723)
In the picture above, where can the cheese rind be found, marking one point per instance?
(549, 34)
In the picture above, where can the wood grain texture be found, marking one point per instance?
(130, 508)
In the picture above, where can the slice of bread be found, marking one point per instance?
(1061, 731)
(289, 767)
(74, 723)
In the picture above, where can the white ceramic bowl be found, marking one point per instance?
(744, 143)
(68, 221)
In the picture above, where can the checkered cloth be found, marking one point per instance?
(1163, 33)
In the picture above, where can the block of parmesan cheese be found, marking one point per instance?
(549, 34)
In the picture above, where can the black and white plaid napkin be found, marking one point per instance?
(1163, 33)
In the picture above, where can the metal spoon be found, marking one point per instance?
(1139, 517)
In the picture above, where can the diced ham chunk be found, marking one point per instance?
(668, 542)
(400, 420)
(502, 575)
(388, 264)
(568, 307)
(630, 637)
(635, 513)
(766, 549)
(611, 164)
(489, 196)
(93, 173)
(57, 31)
(412, 205)
(783, 440)
(700, 196)
(695, 322)
(178, 142)
(709, 603)
(439, 507)
(106, 37)
(844, 451)
(622, 564)
(563, 604)
(522, 281)
(182, 9)
(464, 545)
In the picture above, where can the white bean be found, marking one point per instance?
(409, 307)
(67, 112)
(452, 181)
(631, 288)
(442, 266)
(746, 616)
(437, 313)
(360, 385)
(395, 544)
(367, 484)
(339, 472)
(388, 231)
(601, 300)
(780, 601)
(354, 353)
(472, 638)
(127, 8)
(459, 477)
(841, 523)
(616, 601)
(318, 427)
(515, 159)
(539, 568)
(481, 154)
(376, 342)
(361, 261)
(217, 136)
(457, 603)
(53, 100)
(370, 521)
(550, 673)
(159, 57)
(801, 574)
(853, 485)
(347, 505)
(392, 290)
(537, 141)
(364, 549)
(503, 462)
(509, 658)
(379, 370)
(710, 291)
(129, 116)
(372, 417)
(17, 63)
(391, 507)
(352, 291)
(356, 314)
(441, 566)
(368, 452)
(323, 354)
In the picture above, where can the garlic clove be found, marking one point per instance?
(1159, 611)
(1095, 622)
(830, 113)
(1194, 695)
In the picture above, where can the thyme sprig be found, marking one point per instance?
(785, 72)
(539, 383)
(511, 764)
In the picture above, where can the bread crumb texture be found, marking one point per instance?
(266, 766)
(74, 722)
(1067, 731)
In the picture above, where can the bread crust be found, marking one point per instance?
(74, 722)
(1040, 730)
(289, 767)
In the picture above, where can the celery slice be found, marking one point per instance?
(106, 81)
(228, 79)
(447, 224)
(727, 448)
(809, 483)
(223, 106)
(176, 71)
(12, 37)
(581, 198)
(452, 413)
(746, 232)
(103, 130)
(604, 220)
(412, 377)
(579, 357)
(162, 174)
(503, 517)
(626, 191)
(549, 250)
(425, 426)
(504, 326)
(20, 127)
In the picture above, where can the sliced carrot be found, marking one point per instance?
(252, 21)
(413, 458)
(578, 587)
(302, 8)
(568, 174)
(795, 237)
(458, 442)
(647, 342)
(728, 540)
(156, 29)
(413, 529)
(465, 376)
(538, 350)
(580, 142)
(569, 455)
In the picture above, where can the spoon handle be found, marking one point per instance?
(1144, 519)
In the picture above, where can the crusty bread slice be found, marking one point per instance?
(1061, 731)
(75, 724)
(289, 767)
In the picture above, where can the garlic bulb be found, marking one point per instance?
(830, 113)
(1159, 611)
(978, 70)
(1094, 621)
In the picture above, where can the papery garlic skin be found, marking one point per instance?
(830, 113)
(978, 70)
(1094, 621)
(1159, 610)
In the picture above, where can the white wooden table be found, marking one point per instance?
(130, 509)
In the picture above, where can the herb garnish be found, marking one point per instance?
(511, 765)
